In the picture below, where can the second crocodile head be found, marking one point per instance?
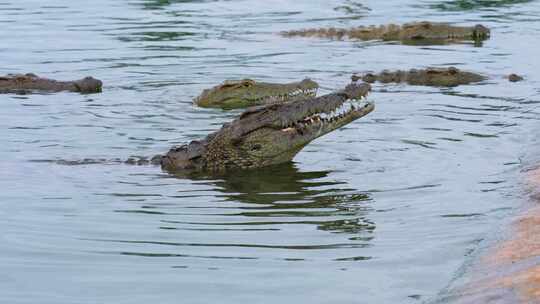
(244, 93)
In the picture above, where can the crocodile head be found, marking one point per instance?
(480, 32)
(434, 30)
(271, 134)
(244, 93)
(88, 85)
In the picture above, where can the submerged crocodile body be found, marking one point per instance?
(244, 93)
(441, 77)
(423, 30)
(271, 134)
(25, 83)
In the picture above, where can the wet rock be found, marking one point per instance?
(514, 77)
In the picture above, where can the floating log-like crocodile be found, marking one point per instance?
(28, 83)
(442, 77)
(424, 30)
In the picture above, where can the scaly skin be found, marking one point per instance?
(247, 92)
(27, 83)
(441, 77)
(268, 135)
(424, 30)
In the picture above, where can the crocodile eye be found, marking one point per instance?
(256, 147)
(247, 83)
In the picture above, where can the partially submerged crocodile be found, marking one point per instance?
(423, 30)
(25, 83)
(259, 137)
(243, 93)
(443, 77)
(271, 134)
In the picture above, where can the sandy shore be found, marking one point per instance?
(510, 272)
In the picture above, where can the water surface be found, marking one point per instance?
(390, 209)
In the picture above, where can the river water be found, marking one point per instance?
(390, 209)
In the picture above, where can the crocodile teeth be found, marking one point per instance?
(321, 118)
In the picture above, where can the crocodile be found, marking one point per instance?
(442, 77)
(26, 83)
(260, 136)
(243, 93)
(269, 134)
(408, 32)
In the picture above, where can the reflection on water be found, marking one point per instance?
(157, 36)
(265, 185)
(283, 192)
(277, 200)
(158, 4)
(428, 42)
(351, 7)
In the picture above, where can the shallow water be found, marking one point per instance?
(390, 209)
